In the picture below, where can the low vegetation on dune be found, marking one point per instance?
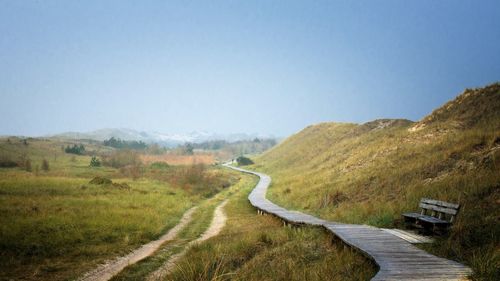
(65, 212)
(373, 172)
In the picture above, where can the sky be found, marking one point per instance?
(268, 67)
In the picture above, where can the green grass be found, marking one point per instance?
(371, 174)
(55, 225)
(58, 227)
(201, 219)
(253, 247)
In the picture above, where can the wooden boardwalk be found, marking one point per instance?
(396, 258)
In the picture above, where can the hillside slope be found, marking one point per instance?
(373, 172)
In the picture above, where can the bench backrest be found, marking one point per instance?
(439, 209)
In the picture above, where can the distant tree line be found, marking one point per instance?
(256, 145)
(122, 144)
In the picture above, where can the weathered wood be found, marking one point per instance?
(440, 203)
(396, 258)
(437, 208)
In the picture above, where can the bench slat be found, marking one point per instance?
(438, 209)
(440, 203)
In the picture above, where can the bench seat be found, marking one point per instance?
(411, 217)
(433, 220)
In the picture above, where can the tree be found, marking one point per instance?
(45, 165)
(242, 161)
(188, 149)
(75, 149)
(95, 162)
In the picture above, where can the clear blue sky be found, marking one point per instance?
(269, 67)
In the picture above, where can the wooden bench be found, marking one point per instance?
(434, 215)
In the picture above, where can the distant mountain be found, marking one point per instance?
(156, 137)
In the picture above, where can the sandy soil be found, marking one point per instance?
(218, 222)
(112, 267)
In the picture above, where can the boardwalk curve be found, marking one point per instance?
(396, 258)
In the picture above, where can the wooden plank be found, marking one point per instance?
(440, 203)
(407, 236)
(438, 208)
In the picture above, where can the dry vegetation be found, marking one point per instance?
(178, 159)
(371, 173)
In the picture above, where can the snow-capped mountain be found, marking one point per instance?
(157, 137)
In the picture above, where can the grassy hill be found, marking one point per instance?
(373, 172)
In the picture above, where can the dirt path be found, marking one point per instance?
(218, 222)
(111, 268)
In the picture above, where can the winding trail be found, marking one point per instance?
(113, 267)
(396, 258)
(218, 222)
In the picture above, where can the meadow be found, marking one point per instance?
(56, 224)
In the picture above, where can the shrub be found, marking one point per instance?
(45, 165)
(75, 149)
(7, 163)
(243, 161)
(159, 165)
(27, 165)
(100, 181)
(95, 162)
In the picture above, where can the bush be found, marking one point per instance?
(243, 161)
(7, 163)
(100, 181)
(75, 149)
(95, 162)
(45, 165)
(27, 165)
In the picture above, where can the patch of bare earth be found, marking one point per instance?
(218, 222)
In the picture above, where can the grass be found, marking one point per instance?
(253, 247)
(49, 225)
(201, 219)
(371, 173)
(55, 225)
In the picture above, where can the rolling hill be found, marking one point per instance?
(371, 173)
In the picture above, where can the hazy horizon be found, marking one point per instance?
(223, 67)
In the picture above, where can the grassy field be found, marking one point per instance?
(200, 222)
(253, 247)
(371, 173)
(55, 225)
